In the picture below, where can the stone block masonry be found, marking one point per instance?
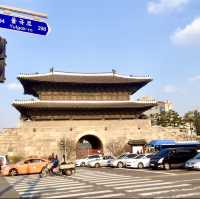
(41, 137)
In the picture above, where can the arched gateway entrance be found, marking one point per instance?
(88, 145)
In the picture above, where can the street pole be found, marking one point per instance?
(23, 11)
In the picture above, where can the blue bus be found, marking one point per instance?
(163, 144)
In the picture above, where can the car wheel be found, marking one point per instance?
(13, 172)
(140, 165)
(82, 164)
(68, 172)
(97, 165)
(120, 165)
(167, 166)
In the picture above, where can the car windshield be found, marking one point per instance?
(161, 153)
(149, 156)
(139, 156)
(121, 156)
(197, 156)
(92, 157)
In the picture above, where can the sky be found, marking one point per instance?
(160, 38)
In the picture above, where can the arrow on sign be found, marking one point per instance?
(23, 24)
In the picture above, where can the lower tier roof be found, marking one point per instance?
(46, 104)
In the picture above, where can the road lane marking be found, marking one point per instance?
(45, 183)
(168, 191)
(32, 187)
(155, 172)
(97, 179)
(107, 195)
(120, 181)
(28, 192)
(135, 183)
(187, 195)
(154, 188)
(82, 194)
(143, 185)
(115, 180)
(91, 173)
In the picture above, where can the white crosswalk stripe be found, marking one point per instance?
(156, 188)
(107, 195)
(170, 191)
(127, 182)
(100, 184)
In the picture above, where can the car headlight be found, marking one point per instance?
(161, 160)
(196, 165)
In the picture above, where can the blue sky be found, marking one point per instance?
(160, 38)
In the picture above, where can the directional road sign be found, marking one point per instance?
(23, 24)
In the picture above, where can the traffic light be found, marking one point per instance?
(3, 43)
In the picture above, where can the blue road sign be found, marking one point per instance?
(23, 24)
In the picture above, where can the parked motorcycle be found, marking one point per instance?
(63, 169)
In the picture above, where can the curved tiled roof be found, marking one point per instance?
(82, 104)
(93, 78)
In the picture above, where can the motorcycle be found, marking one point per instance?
(66, 169)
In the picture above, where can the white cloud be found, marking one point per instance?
(195, 78)
(188, 36)
(14, 86)
(161, 6)
(169, 89)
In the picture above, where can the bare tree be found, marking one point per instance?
(116, 146)
(67, 147)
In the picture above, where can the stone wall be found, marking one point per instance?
(42, 137)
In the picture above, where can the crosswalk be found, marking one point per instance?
(101, 184)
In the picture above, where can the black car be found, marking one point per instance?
(172, 158)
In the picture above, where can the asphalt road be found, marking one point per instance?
(108, 183)
(6, 190)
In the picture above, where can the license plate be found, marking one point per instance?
(151, 164)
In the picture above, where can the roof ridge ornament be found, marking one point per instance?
(114, 71)
(51, 69)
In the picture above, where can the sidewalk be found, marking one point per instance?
(6, 190)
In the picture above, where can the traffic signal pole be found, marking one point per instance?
(3, 43)
(23, 11)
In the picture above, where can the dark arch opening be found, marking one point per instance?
(89, 145)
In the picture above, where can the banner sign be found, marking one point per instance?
(23, 24)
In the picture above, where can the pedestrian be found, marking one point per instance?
(55, 163)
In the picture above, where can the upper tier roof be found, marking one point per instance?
(87, 78)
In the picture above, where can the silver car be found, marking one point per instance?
(84, 162)
(193, 163)
(122, 159)
(104, 162)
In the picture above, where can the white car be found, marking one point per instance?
(141, 161)
(104, 162)
(193, 163)
(121, 160)
(3, 161)
(84, 162)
